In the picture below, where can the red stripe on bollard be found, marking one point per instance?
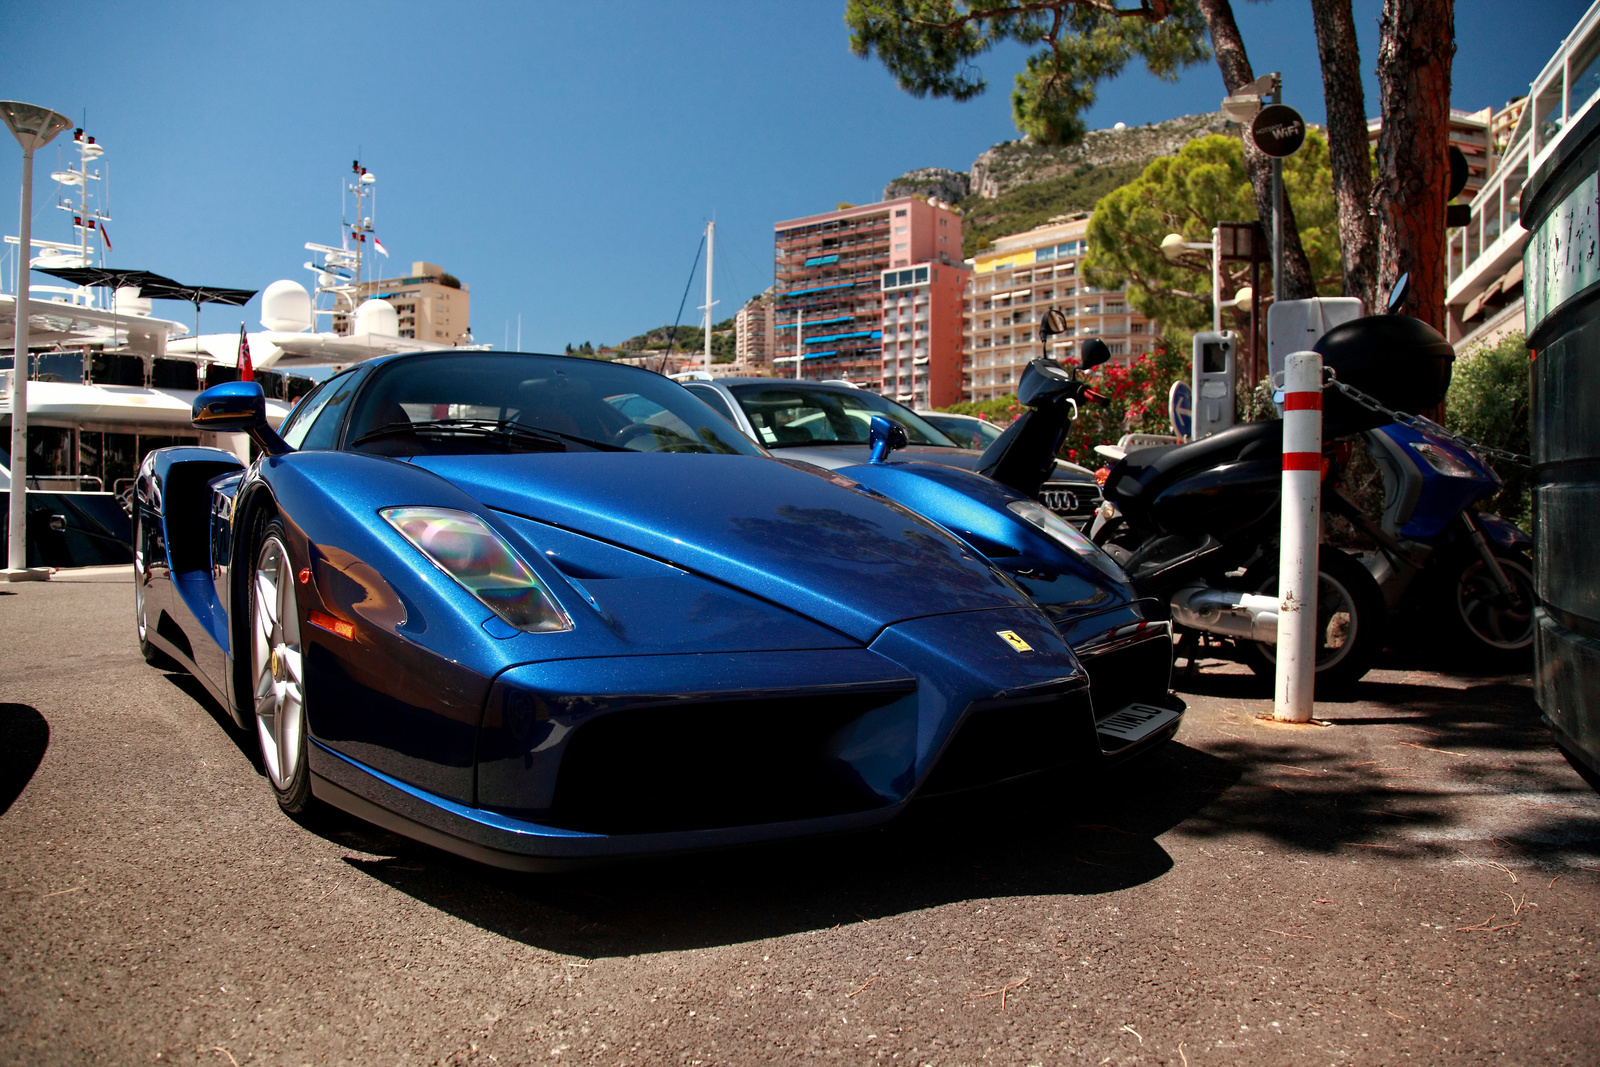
(1302, 461)
(1302, 401)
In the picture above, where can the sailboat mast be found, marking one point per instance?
(711, 236)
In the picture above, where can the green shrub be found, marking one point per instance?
(1488, 402)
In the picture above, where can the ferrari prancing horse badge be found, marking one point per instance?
(1011, 638)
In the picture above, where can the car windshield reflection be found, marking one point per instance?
(788, 416)
(482, 402)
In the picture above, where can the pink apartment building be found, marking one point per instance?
(837, 269)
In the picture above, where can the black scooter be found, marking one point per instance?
(1196, 525)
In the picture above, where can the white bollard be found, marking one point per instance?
(1301, 533)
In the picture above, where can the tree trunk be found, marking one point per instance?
(1236, 74)
(1416, 42)
(1348, 150)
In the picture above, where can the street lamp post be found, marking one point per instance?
(799, 340)
(1173, 246)
(33, 127)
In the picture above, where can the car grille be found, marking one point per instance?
(1007, 740)
(703, 766)
(1075, 502)
(1136, 673)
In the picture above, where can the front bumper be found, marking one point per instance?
(588, 760)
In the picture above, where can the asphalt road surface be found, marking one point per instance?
(1417, 882)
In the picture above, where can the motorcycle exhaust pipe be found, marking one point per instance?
(1226, 612)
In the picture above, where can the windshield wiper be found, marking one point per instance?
(488, 429)
(483, 429)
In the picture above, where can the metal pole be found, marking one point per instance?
(1277, 229)
(1216, 279)
(711, 238)
(1298, 539)
(799, 331)
(17, 541)
(1255, 307)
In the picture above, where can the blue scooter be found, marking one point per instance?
(1464, 573)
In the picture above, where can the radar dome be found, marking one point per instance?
(286, 306)
(127, 301)
(377, 317)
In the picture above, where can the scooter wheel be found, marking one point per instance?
(1476, 623)
(1350, 622)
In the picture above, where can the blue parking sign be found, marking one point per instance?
(1180, 409)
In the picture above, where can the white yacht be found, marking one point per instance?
(108, 381)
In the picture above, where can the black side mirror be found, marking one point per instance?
(1095, 353)
(1053, 324)
(1397, 295)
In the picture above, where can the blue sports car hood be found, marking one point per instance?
(815, 543)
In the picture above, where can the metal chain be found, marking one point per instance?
(1427, 426)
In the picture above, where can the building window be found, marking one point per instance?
(900, 213)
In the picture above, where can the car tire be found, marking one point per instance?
(277, 675)
(141, 623)
(1351, 621)
(1474, 626)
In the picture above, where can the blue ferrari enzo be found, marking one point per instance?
(539, 610)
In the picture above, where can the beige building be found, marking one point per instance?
(1010, 288)
(432, 304)
(753, 331)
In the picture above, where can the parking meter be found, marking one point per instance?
(1212, 382)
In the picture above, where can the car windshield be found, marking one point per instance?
(790, 415)
(455, 402)
(968, 433)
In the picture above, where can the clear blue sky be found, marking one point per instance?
(560, 158)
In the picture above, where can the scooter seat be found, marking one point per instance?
(1140, 475)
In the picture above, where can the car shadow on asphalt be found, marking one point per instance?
(1052, 835)
(24, 736)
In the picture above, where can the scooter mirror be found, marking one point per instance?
(1095, 353)
(1054, 324)
(1397, 295)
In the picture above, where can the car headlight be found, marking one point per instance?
(464, 547)
(1443, 462)
(1067, 535)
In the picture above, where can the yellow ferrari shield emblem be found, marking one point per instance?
(1011, 638)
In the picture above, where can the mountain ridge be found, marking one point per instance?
(1016, 185)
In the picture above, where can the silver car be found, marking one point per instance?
(825, 423)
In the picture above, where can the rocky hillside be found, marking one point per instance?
(1019, 184)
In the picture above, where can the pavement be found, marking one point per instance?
(1417, 880)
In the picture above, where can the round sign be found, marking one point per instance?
(1278, 130)
(1180, 409)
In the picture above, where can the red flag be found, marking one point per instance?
(247, 372)
(106, 237)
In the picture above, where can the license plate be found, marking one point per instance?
(1134, 723)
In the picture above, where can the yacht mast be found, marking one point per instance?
(711, 236)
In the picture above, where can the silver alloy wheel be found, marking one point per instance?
(275, 662)
(138, 595)
(1337, 620)
(1501, 627)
